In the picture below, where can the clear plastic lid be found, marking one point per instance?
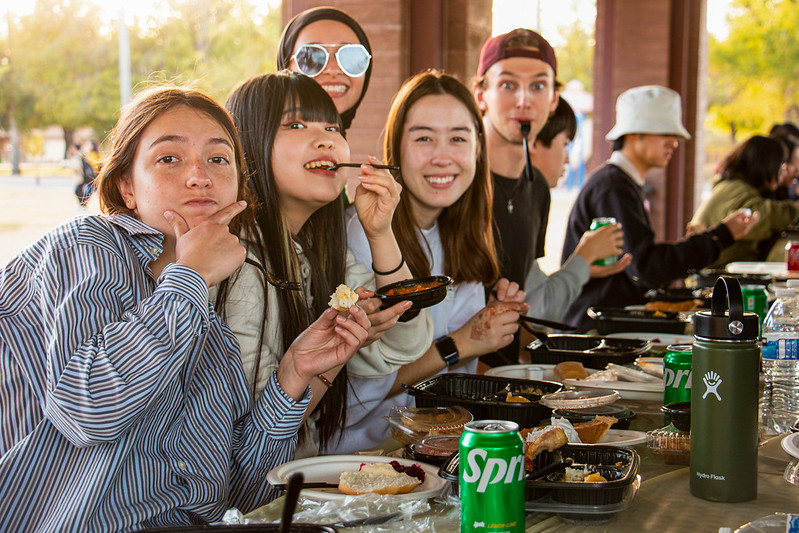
(410, 424)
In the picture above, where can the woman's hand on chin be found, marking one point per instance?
(327, 343)
(209, 248)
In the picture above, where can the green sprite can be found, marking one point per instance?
(491, 458)
(756, 301)
(677, 374)
(599, 223)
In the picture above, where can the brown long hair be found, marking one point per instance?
(135, 117)
(257, 106)
(465, 226)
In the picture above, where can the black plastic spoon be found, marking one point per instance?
(524, 126)
(292, 495)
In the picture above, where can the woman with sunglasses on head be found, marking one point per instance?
(124, 404)
(331, 47)
(291, 133)
(435, 133)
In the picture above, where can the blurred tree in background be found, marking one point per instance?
(576, 54)
(66, 58)
(754, 73)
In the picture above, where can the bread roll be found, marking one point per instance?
(570, 370)
(380, 478)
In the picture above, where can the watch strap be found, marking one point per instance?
(447, 350)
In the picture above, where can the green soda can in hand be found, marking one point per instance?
(599, 223)
(491, 458)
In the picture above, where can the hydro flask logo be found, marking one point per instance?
(712, 382)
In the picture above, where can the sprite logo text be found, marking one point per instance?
(493, 470)
(675, 379)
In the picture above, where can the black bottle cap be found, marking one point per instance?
(721, 323)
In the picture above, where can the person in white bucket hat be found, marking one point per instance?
(648, 130)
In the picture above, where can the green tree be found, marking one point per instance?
(576, 55)
(754, 72)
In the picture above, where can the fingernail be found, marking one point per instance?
(168, 216)
(407, 305)
(243, 203)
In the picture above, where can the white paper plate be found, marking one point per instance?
(328, 468)
(756, 267)
(521, 371)
(623, 437)
(628, 390)
(658, 339)
(791, 444)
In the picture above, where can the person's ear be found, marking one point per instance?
(479, 96)
(554, 104)
(125, 187)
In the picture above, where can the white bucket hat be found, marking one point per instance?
(648, 109)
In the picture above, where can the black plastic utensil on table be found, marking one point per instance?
(549, 469)
(292, 495)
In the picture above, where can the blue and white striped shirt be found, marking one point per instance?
(122, 398)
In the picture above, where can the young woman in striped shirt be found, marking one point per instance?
(123, 401)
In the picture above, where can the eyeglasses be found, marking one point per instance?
(352, 59)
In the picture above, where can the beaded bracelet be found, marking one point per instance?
(402, 262)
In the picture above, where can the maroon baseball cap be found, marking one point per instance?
(517, 43)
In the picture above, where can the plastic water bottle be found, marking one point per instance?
(779, 407)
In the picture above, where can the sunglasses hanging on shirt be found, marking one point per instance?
(352, 59)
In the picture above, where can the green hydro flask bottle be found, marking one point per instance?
(724, 395)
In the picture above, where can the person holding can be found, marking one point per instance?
(648, 130)
(596, 255)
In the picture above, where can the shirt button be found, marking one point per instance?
(182, 465)
(154, 250)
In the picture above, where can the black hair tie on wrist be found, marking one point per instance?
(402, 262)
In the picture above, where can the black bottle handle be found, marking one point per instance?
(727, 291)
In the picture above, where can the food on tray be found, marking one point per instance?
(570, 370)
(343, 298)
(400, 291)
(547, 441)
(614, 372)
(512, 398)
(582, 475)
(673, 307)
(381, 478)
(594, 430)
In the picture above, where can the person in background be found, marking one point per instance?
(550, 296)
(435, 134)
(90, 161)
(328, 45)
(648, 130)
(748, 177)
(124, 403)
(788, 135)
(291, 132)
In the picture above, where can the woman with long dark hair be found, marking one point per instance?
(434, 131)
(747, 178)
(291, 133)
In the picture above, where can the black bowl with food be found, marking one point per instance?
(421, 292)
(679, 414)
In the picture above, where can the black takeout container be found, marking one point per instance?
(618, 465)
(623, 414)
(591, 351)
(477, 394)
(619, 320)
(435, 292)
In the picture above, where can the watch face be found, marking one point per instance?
(449, 352)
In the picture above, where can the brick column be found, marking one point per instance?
(653, 42)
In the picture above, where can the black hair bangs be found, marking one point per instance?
(307, 101)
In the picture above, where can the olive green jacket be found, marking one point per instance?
(731, 195)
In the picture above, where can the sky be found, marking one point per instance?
(508, 14)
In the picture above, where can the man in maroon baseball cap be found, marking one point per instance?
(516, 85)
